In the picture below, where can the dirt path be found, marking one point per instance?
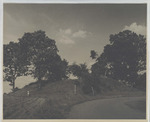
(115, 108)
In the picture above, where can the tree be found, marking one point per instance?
(57, 70)
(78, 70)
(93, 54)
(15, 63)
(89, 84)
(42, 53)
(126, 56)
(99, 68)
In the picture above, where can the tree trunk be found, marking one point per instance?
(39, 78)
(92, 90)
(105, 73)
(13, 83)
(75, 89)
(39, 83)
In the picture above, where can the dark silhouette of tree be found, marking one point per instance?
(99, 68)
(78, 70)
(124, 57)
(93, 54)
(57, 70)
(88, 81)
(42, 53)
(15, 63)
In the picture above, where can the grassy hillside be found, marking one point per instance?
(54, 100)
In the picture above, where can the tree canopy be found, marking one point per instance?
(124, 57)
(42, 53)
(15, 63)
(93, 54)
(37, 54)
(78, 70)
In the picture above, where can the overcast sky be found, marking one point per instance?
(77, 29)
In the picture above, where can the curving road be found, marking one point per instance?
(115, 108)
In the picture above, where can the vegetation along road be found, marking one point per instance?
(116, 108)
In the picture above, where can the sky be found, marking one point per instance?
(76, 28)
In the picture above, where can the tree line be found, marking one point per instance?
(37, 55)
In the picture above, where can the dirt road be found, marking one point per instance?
(115, 108)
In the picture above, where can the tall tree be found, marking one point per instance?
(126, 55)
(42, 53)
(15, 63)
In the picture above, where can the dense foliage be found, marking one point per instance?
(123, 58)
(38, 51)
(15, 63)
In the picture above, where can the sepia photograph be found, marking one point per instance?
(74, 61)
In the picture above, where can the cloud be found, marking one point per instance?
(65, 31)
(68, 31)
(64, 36)
(66, 40)
(67, 36)
(139, 29)
(80, 34)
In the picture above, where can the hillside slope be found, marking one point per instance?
(54, 100)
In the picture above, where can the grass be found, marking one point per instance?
(54, 100)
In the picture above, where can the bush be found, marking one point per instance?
(86, 89)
